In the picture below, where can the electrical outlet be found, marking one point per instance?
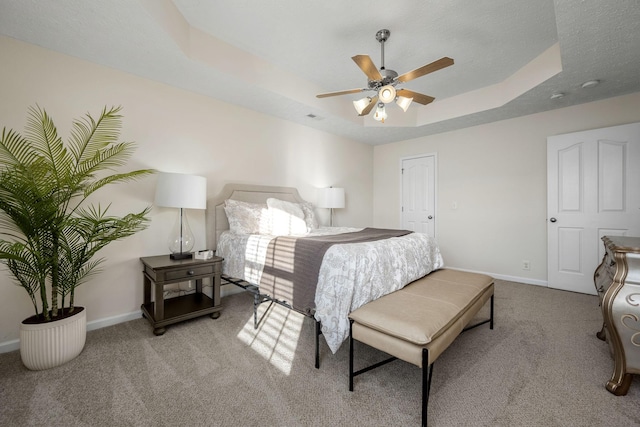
(526, 265)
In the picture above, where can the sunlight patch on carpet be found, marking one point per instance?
(276, 338)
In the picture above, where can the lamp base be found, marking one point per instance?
(181, 255)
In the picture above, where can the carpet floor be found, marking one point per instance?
(541, 365)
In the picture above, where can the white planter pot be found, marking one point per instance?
(51, 344)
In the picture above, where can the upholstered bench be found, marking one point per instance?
(418, 322)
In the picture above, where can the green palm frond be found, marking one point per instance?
(117, 178)
(14, 149)
(43, 137)
(111, 157)
(48, 238)
(88, 136)
(29, 268)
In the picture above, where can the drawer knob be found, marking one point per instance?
(190, 272)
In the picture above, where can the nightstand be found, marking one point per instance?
(162, 270)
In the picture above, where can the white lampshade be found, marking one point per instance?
(404, 102)
(331, 198)
(381, 113)
(361, 104)
(387, 94)
(177, 190)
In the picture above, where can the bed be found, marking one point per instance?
(260, 257)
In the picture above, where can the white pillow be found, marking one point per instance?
(287, 218)
(309, 216)
(248, 218)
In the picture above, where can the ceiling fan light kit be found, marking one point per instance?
(361, 104)
(381, 113)
(404, 102)
(384, 82)
(387, 94)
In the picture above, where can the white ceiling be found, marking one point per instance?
(274, 56)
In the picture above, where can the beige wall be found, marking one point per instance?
(496, 173)
(176, 131)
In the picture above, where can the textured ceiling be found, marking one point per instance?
(275, 56)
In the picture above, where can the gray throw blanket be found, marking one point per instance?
(292, 264)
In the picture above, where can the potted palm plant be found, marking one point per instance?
(49, 233)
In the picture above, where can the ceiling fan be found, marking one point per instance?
(384, 83)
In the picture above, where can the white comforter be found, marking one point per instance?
(350, 275)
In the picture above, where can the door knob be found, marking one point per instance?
(430, 217)
(553, 220)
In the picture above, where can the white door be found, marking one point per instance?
(593, 190)
(418, 194)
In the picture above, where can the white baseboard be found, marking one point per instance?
(8, 346)
(113, 320)
(13, 345)
(518, 279)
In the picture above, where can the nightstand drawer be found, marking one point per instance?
(189, 273)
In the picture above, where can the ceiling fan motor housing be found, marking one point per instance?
(388, 78)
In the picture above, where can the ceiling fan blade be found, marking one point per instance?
(366, 64)
(368, 108)
(417, 97)
(343, 92)
(426, 69)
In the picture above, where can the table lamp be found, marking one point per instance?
(331, 198)
(176, 190)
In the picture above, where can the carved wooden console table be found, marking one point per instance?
(617, 281)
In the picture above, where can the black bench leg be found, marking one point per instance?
(491, 323)
(427, 373)
(318, 332)
(350, 355)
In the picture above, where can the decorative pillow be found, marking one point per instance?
(309, 216)
(248, 218)
(287, 218)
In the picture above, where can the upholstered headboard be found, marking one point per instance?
(216, 219)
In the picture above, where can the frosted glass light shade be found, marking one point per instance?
(361, 104)
(387, 94)
(381, 113)
(331, 198)
(177, 190)
(404, 102)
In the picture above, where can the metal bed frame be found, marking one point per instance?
(259, 298)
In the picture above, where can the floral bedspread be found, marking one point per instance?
(351, 274)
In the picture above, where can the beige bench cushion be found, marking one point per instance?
(424, 309)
